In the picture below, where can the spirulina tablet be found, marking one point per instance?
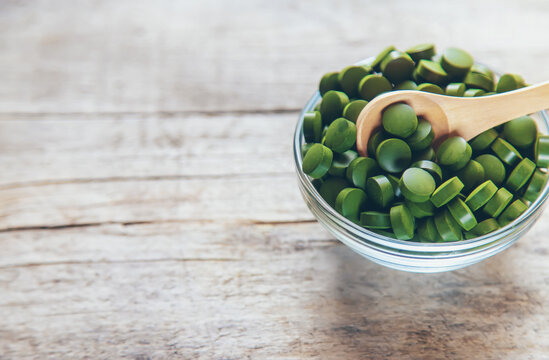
(406, 85)
(341, 162)
(397, 66)
(474, 92)
(520, 132)
(379, 58)
(485, 227)
(513, 211)
(417, 185)
(462, 214)
(349, 203)
(431, 72)
(479, 81)
(372, 85)
(330, 188)
(317, 161)
(541, 151)
(481, 195)
(375, 220)
(454, 153)
(427, 154)
(332, 105)
(493, 168)
(431, 167)
(427, 230)
(353, 109)
(471, 175)
(341, 135)
(422, 137)
(380, 190)
(399, 120)
(420, 210)
(509, 82)
(421, 52)
(350, 77)
(506, 152)
(360, 169)
(402, 222)
(431, 88)
(498, 203)
(393, 155)
(456, 62)
(536, 184)
(482, 141)
(520, 175)
(455, 89)
(312, 126)
(447, 227)
(329, 82)
(446, 192)
(377, 138)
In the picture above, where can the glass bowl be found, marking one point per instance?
(406, 255)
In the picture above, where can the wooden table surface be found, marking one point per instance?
(149, 204)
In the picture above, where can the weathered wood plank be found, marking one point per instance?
(129, 56)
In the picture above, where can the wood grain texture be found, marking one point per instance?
(149, 202)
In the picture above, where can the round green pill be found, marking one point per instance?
(474, 92)
(341, 162)
(485, 227)
(446, 192)
(417, 185)
(520, 175)
(506, 152)
(431, 72)
(455, 89)
(394, 181)
(471, 175)
(493, 168)
(421, 52)
(372, 85)
(482, 141)
(421, 138)
(375, 220)
(479, 81)
(541, 151)
(462, 214)
(353, 109)
(349, 78)
(329, 82)
(380, 190)
(377, 138)
(508, 82)
(341, 135)
(536, 184)
(481, 195)
(332, 105)
(498, 203)
(513, 211)
(456, 62)
(427, 230)
(406, 85)
(454, 153)
(376, 64)
(520, 132)
(447, 228)
(431, 88)
(312, 126)
(360, 169)
(331, 187)
(402, 222)
(420, 210)
(399, 120)
(397, 66)
(484, 70)
(305, 148)
(317, 161)
(349, 203)
(431, 167)
(427, 154)
(393, 155)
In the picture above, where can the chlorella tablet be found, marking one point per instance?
(479, 81)
(456, 62)
(473, 92)
(341, 135)
(393, 155)
(312, 126)
(506, 152)
(484, 140)
(541, 151)
(341, 162)
(350, 77)
(329, 82)
(493, 168)
(397, 66)
(431, 167)
(402, 222)
(380, 190)
(349, 203)
(353, 109)
(427, 230)
(471, 175)
(332, 104)
(375, 220)
(372, 85)
(455, 89)
(431, 72)
(432, 88)
(520, 175)
(406, 85)
(536, 184)
(379, 58)
(420, 210)
(360, 169)
(513, 211)
(427, 154)
(376, 139)
(399, 120)
(447, 227)
(417, 185)
(508, 82)
(317, 161)
(521, 131)
(446, 192)
(462, 214)
(330, 188)
(485, 227)
(481, 195)
(421, 52)
(454, 153)
(498, 203)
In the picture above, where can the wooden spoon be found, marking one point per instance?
(450, 115)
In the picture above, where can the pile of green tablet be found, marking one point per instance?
(404, 188)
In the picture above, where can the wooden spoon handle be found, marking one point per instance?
(469, 117)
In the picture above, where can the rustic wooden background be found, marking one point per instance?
(149, 207)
